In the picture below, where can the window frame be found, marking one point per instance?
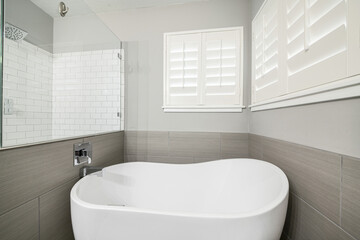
(204, 108)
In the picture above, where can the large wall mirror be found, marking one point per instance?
(62, 74)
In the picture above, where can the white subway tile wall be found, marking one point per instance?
(50, 96)
(27, 82)
(86, 93)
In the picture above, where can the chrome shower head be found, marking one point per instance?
(14, 33)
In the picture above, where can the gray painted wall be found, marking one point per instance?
(29, 17)
(255, 6)
(82, 33)
(332, 126)
(143, 29)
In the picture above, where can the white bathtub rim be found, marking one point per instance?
(263, 210)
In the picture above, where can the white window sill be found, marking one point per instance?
(341, 89)
(200, 109)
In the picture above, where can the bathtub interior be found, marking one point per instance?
(221, 187)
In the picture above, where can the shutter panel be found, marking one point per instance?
(316, 42)
(221, 68)
(268, 81)
(354, 37)
(257, 54)
(183, 69)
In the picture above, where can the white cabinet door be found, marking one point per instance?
(354, 37)
(221, 68)
(268, 55)
(316, 37)
(183, 69)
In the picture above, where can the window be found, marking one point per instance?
(203, 71)
(305, 51)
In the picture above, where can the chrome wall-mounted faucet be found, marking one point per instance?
(82, 153)
(86, 170)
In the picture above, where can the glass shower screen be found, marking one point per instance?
(61, 73)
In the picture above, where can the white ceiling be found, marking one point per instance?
(51, 7)
(82, 7)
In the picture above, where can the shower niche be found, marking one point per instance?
(62, 75)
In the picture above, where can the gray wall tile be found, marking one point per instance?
(204, 159)
(197, 135)
(234, 136)
(55, 217)
(168, 159)
(234, 145)
(350, 219)
(305, 223)
(28, 172)
(189, 144)
(21, 223)
(135, 158)
(157, 143)
(107, 149)
(255, 146)
(172, 147)
(180, 147)
(135, 142)
(314, 175)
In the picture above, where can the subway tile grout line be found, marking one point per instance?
(316, 210)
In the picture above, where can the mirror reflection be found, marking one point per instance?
(62, 73)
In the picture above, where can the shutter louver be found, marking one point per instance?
(316, 42)
(305, 51)
(354, 37)
(183, 70)
(267, 40)
(221, 73)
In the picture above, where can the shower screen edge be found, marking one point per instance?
(1, 67)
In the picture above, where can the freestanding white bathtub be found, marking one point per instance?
(234, 199)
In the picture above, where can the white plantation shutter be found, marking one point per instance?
(257, 55)
(183, 69)
(316, 46)
(354, 37)
(268, 58)
(221, 68)
(305, 51)
(203, 69)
